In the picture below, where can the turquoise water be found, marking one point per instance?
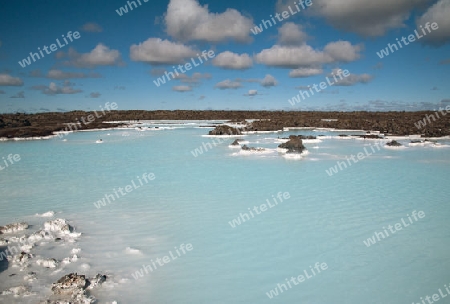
(193, 199)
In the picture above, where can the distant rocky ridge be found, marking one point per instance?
(394, 123)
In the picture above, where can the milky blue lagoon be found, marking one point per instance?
(192, 200)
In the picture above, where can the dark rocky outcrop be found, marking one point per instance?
(307, 137)
(236, 142)
(72, 288)
(371, 136)
(394, 143)
(225, 130)
(294, 145)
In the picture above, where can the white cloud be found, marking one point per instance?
(92, 27)
(439, 13)
(182, 88)
(232, 61)
(54, 89)
(343, 51)
(228, 84)
(350, 80)
(305, 56)
(269, 81)
(252, 93)
(156, 51)
(291, 57)
(366, 17)
(291, 34)
(58, 74)
(8, 80)
(194, 79)
(187, 20)
(305, 72)
(101, 55)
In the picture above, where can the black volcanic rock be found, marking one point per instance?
(371, 136)
(225, 130)
(294, 145)
(394, 143)
(307, 137)
(236, 142)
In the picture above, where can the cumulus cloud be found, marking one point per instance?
(194, 79)
(233, 61)
(252, 93)
(291, 34)
(438, 13)
(305, 72)
(228, 84)
(101, 55)
(92, 27)
(343, 51)
(187, 20)
(366, 17)
(305, 56)
(156, 51)
(269, 81)
(58, 74)
(20, 94)
(350, 80)
(8, 80)
(182, 88)
(54, 89)
(291, 57)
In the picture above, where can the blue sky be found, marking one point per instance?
(118, 58)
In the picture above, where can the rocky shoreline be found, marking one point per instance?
(19, 258)
(20, 125)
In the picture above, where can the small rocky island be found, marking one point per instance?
(294, 145)
(394, 143)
